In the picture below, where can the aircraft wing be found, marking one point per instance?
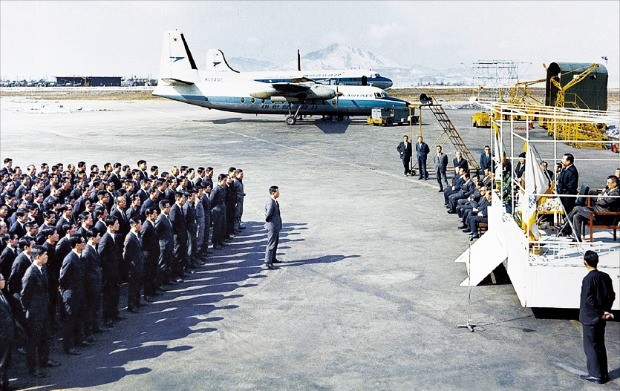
(290, 88)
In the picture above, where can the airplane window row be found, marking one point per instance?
(302, 102)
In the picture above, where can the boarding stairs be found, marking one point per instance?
(450, 132)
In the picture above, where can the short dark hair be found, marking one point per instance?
(570, 157)
(163, 203)
(35, 251)
(614, 179)
(591, 258)
(75, 239)
(110, 221)
(221, 177)
(273, 189)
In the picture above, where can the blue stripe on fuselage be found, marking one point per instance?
(344, 106)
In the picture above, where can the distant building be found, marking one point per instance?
(88, 81)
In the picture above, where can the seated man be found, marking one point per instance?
(480, 217)
(473, 202)
(457, 181)
(466, 189)
(607, 201)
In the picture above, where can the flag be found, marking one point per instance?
(535, 185)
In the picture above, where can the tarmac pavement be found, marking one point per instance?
(368, 296)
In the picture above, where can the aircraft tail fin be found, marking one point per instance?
(177, 64)
(216, 62)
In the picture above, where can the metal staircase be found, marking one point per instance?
(449, 130)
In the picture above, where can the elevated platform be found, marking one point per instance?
(549, 279)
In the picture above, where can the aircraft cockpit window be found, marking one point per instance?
(379, 95)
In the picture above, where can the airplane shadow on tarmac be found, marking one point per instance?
(193, 306)
(326, 126)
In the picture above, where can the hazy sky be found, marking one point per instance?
(44, 39)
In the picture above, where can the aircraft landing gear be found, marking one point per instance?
(291, 119)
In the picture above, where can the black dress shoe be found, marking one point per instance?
(133, 310)
(90, 339)
(148, 299)
(37, 374)
(271, 267)
(462, 226)
(276, 261)
(73, 352)
(50, 364)
(592, 379)
(118, 317)
(471, 238)
(85, 342)
(440, 191)
(466, 230)
(450, 211)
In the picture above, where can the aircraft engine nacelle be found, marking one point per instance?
(320, 92)
(265, 93)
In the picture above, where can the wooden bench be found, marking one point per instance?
(610, 220)
(482, 228)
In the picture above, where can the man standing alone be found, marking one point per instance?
(597, 297)
(273, 224)
(441, 165)
(404, 149)
(422, 150)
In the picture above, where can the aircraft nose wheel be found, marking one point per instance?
(290, 120)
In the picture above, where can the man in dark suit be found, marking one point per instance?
(441, 164)
(132, 255)
(218, 211)
(273, 224)
(179, 231)
(8, 255)
(150, 252)
(486, 159)
(189, 211)
(110, 257)
(35, 301)
(460, 162)
(51, 238)
(568, 182)
(405, 151)
(481, 217)
(19, 226)
(464, 191)
(607, 201)
(422, 151)
(20, 266)
(163, 227)
(93, 281)
(597, 297)
(119, 212)
(73, 291)
(7, 333)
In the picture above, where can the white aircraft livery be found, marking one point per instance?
(180, 79)
(216, 63)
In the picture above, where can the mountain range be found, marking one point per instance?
(338, 56)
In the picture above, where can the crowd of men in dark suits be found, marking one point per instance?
(70, 238)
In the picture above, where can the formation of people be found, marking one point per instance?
(71, 237)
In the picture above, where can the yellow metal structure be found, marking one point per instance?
(572, 130)
(481, 119)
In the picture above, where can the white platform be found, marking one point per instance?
(551, 279)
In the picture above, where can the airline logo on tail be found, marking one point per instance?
(175, 59)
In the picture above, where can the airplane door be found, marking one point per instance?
(364, 81)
